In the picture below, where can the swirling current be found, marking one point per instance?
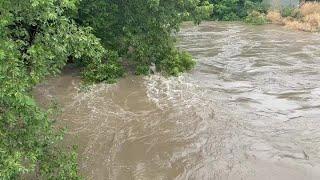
(249, 110)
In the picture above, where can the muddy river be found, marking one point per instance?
(249, 110)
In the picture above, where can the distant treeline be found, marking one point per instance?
(230, 10)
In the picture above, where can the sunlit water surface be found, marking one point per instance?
(249, 110)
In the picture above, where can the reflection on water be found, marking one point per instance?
(249, 110)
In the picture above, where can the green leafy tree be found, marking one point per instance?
(230, 10)
(37, 38)
(141, 31)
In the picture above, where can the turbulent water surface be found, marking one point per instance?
(249, 110)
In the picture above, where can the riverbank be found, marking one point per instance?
(305, 18)
(248, 110)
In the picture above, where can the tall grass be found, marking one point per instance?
(275, 17)
(310, 8)
(306, 18)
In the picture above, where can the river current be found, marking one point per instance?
(249, 110)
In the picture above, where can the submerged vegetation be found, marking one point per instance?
(140, 31)
(106, 39)
(103, 37)
(37, 38)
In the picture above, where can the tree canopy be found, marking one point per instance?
(141, 31)
(104, 37)
(228, 10)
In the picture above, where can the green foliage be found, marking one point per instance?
(60, 165)
(256, 18)
(256, 5)
(286, 12)
(142, 70)
(98, 71)
(141, 31)
(291, 12)
(28, 141)
(235, 10)
(176, 62)
(39, 37)
(228, 10)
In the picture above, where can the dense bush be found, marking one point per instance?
(141, 31)
(228, 10)
(39, 37)
(231, 10)
(286, 12)
(256, 18)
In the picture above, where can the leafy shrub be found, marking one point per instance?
(256, 18)
(286, 12)
(227, 10)
(256, 5)
(37, 37)
(142, 70)
(291, 12)
(230, 10)
(107, 70)
(142, 31)
(176, 62)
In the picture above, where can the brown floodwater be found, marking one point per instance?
(249, 110)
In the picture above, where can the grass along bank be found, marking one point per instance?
(305, 18)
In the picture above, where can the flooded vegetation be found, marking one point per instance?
(249, 110)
